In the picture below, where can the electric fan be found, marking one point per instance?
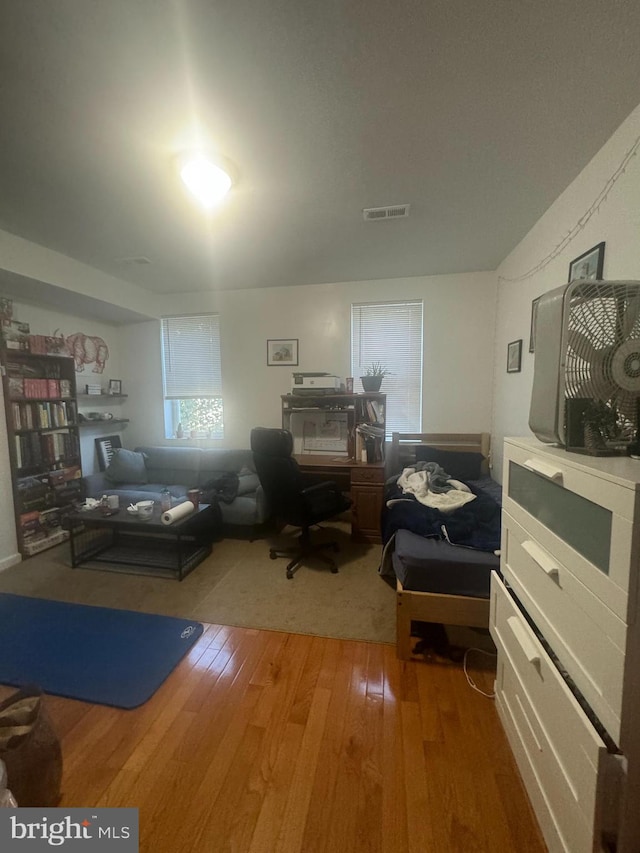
(587, 347)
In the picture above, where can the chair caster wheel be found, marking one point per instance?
(334, 570)
(289, 576)
(273, 555)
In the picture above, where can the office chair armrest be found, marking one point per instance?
(327, 486)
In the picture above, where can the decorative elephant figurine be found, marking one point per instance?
(86, 349)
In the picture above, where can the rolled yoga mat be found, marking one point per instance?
(177, 512)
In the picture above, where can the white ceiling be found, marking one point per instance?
(476, 112)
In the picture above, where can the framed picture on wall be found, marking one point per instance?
(589, 265)
(514, 356)
(282, 352)
(115, 386)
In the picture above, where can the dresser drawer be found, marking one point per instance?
(585, 520)
(561, 757)
(586, 636)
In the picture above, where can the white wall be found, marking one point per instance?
(458, 350)
(616, 223)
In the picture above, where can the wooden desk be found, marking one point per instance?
(365, 482)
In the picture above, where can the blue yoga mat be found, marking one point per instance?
(110, 657)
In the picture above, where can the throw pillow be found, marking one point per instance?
(127, 466)
(30, 750)
(459, 465)
(248, 483)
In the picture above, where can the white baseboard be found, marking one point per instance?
(7, 562)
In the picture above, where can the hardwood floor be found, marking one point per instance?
(265, 741)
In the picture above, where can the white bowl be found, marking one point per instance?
(145, 509)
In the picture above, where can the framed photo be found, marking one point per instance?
(588, 265)
(115, 386)
(514, 356)
(534, 317)
(282, 352)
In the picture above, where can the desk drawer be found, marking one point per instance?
(587, 637)
(563, 760)
(367, 474)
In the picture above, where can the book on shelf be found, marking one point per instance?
(33, 492)
(15, 335)
(370, 440)
(16, 386)
(35, 546)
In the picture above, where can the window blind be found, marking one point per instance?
(191, 357)
(391, 333)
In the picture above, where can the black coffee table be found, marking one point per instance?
(121, 542)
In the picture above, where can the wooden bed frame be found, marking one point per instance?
(426, 606)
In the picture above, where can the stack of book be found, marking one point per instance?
(370, 442)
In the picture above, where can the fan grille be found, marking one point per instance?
(603, 352)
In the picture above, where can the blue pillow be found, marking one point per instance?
(457, 463)
(127, 466)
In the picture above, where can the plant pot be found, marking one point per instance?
(371, 383)
(593, 440)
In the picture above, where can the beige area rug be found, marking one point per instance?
(236, 585)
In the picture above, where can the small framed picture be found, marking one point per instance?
(589, 265)
(115, 386)
(514, 356)
(282, 352)
(534, 317)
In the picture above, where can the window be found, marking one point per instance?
(192, 377)
(391, 333)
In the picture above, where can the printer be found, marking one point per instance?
(315, 383)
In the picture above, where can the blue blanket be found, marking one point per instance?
(474, 525)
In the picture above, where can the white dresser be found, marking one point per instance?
(565, 620)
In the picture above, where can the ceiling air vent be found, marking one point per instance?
(391, 211)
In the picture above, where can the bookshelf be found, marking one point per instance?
(347, 425)
(44, 449)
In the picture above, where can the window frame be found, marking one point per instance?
(401, 395)
(178, 374)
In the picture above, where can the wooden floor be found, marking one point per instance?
(265, 741)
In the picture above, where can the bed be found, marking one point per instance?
(441, 563)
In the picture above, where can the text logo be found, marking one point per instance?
(85, 830)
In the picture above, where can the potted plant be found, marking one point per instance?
(373, 376)
(600, 425)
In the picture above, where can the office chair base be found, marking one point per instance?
(307, 550)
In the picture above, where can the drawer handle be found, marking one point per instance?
(543, 468)
(541, 558)
(530, 651)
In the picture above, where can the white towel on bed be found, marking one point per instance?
(417, 483)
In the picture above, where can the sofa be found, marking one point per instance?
(225, 476)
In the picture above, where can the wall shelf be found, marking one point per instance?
(102, 397)
(92, 422)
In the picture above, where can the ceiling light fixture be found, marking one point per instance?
(208, 180)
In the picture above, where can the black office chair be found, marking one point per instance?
(291, 500)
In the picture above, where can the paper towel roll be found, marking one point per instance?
(178, 512)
